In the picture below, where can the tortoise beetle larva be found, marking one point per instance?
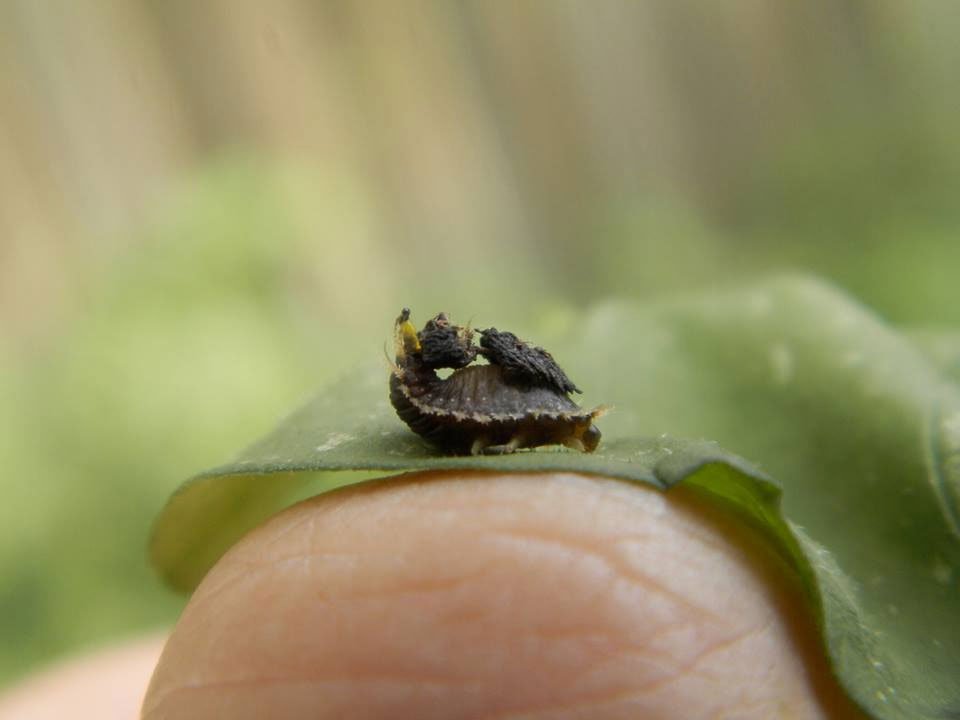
(520, 399)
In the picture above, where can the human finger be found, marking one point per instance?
(473, 595)
(108, 684)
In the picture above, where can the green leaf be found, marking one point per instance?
(859, 428)
(942, 347)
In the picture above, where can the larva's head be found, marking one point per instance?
(406, 342)
(440, 344)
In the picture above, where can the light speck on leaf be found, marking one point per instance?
(942, 572)
(951, 429)
(334, 440)
(782, 363)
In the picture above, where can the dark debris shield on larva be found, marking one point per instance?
(519, 400)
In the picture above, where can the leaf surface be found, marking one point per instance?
(852, 440)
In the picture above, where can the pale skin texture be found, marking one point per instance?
(452, 595)
(106, 684)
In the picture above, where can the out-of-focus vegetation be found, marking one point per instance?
(208, 210)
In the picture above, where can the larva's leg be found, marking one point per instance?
(504, 449)
(479, 445)
(575, 443)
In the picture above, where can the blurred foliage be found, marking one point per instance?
(207, 211)
(161, 368)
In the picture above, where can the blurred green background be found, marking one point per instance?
(207, 210)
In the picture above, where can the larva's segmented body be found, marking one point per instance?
(519, 400)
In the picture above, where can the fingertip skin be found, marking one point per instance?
(452, 595)
(107, 683)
